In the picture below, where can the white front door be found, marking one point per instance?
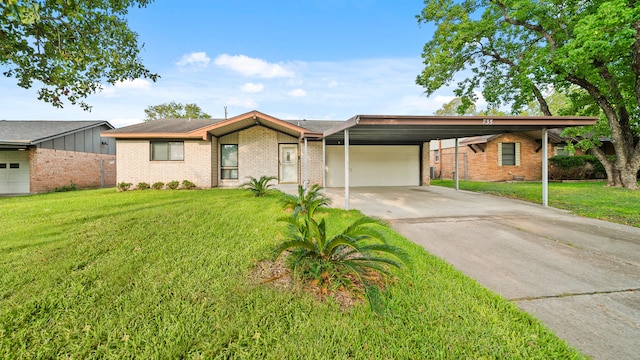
(289, 163)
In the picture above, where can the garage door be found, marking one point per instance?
(374, 165)
(14, 172)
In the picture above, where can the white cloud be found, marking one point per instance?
(252, 88)
(298, 93)
(196, 59)
(332, 84)
(135, 84)
(243, 103)
(252, 67)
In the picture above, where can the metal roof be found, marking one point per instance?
(30, 132)
(392, 129)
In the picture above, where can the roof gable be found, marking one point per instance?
(28, 132)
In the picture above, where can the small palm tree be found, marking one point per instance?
(307, 200)
(259, 187)
(359, 251)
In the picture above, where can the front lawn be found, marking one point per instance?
(167, 274)
(590, 199)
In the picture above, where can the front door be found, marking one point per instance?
(289, 163)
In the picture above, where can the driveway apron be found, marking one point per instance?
(579, 276)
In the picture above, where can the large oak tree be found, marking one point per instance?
(516, 51)
(68, 48)
(174, 110)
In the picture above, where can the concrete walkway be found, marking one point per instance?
(579, 276)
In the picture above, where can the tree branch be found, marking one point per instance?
(536, 28)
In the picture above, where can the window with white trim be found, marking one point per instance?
(436, 155)
(167, 150)
(229, 161)
(508, 154)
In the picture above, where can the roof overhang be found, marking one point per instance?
(389, 129)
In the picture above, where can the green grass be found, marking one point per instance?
(590, 199)
(166, 274)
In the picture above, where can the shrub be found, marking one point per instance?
(186, 184)
(259, 187)
(173, 184)
(143, 186)
(356, 258)
(575, 167)
(123, 186)
(158, 185)
(65, 188)
(306, 200)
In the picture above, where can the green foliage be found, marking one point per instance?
(123, 186)
(157, 185)
(575, 167)
(69, 48)
(186, 184)
(259, 187)
(130, 278)
(143, 186)
(306, 201)
(174, 110)
(360, 251)
(65, 188)
(516, 52)
(172, 185)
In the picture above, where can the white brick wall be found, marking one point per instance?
(134, 164)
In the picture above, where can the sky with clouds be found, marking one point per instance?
(292, 59)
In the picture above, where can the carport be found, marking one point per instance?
(391, 130)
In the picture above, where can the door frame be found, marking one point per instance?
(280, 163)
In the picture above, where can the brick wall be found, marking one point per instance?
(50, 169)
(135, 166)
(315, 161)
(483, 166)
(257, 153)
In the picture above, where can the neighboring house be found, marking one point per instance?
(499, 157)
(39, 156)
(383, 150)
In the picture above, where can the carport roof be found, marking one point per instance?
(392, 129)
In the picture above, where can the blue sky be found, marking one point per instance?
(292, 59)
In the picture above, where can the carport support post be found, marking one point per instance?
(545, 168)
(305, 181)
(456, 166)
(346, 169)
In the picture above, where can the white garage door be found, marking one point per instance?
(14, 172)
(374, 165)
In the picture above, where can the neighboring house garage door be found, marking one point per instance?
(14, 172)
(374, 165)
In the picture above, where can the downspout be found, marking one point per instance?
(305, 181)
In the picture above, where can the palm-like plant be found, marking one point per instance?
(360, 250)
(307, 200)
(259, 187)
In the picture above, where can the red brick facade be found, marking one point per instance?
(484, 165)
(50, 169)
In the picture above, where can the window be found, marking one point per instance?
(167, 150)
(229, 161)
(509, 154)
(562, 151)
(436, 155)
(14, 166)
(3, 166)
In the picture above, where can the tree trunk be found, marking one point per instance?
(629, 178)
(609, 167)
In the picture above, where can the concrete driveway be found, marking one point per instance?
(580, 277)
